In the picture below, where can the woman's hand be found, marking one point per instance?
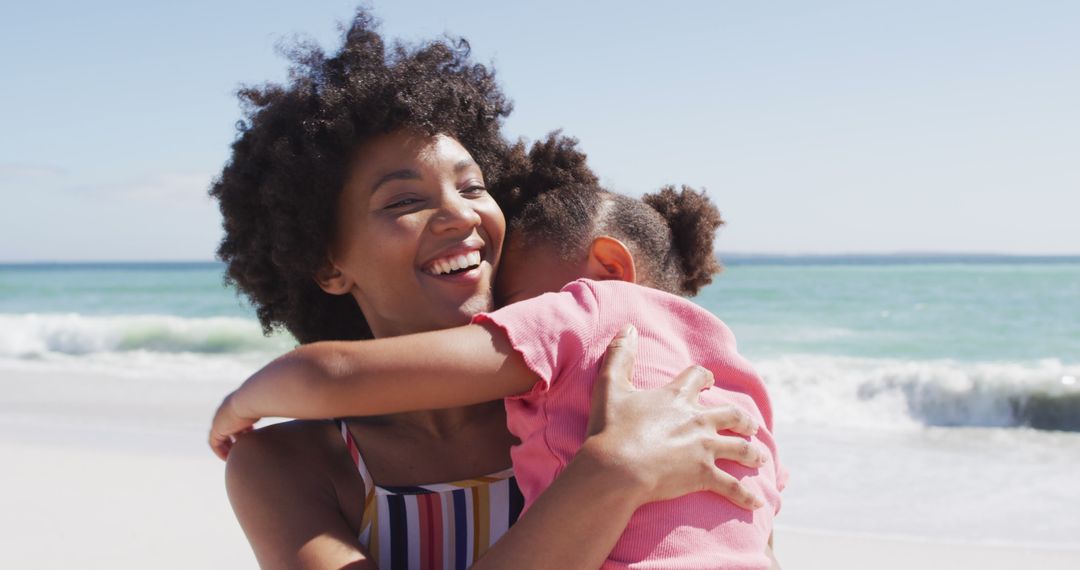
(662, 442)
(227, 426)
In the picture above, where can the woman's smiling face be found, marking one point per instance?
(418, 236)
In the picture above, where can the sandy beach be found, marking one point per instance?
(800, 549)
(77, 506)
(118, 498)
(98, 497)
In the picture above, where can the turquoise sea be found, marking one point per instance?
(989, 334)
(907, 385)
(966, 311)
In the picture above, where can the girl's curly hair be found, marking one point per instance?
(557, 201)
(280, 188)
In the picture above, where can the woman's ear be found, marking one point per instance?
(332, 280)
(609, 258)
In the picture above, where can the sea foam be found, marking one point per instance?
(813, 389)
(896, 393)
(34, 336)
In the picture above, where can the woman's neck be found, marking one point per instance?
(442, 424)
(435, 446)
(445, 423)
(419, 321)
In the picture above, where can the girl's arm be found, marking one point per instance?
(426, 371)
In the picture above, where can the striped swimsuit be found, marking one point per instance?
(444, 526)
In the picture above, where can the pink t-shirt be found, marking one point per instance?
(563, 337)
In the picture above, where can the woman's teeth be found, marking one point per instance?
(455, 263)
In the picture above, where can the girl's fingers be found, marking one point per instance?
(220, 446)
(729, 487)
(739, 450)
(731, 418)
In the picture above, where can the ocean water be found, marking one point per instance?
(921, 397)
(943, 344)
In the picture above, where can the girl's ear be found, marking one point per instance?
(609, 258)
(332, 280)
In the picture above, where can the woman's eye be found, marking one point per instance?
(474, 190)
(401, 203)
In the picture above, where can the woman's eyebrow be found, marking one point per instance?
(403, 174)
(463, 164)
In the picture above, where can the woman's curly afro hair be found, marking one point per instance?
(281, 186)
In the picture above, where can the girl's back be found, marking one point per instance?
(562, 337)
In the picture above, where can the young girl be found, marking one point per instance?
(591, 251)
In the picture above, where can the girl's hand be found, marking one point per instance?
(227, 426)
(662, 442)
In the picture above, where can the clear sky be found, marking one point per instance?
(818, 127)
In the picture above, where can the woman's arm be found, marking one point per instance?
(643, 445)
(426, 371)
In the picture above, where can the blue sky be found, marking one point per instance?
(818, 127)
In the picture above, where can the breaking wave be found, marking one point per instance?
(844, 391)
(32, 336)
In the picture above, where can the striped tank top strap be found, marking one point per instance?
(370, 508)
(444, 530)
(440, 526)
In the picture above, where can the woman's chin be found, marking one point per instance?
(443, 312)
(464, 294)
(479, 303)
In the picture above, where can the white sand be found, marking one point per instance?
(73, 507)
(128, 482)
(70, 505)
(102, 472)
(811, 550)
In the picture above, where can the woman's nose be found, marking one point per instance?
(455, 213)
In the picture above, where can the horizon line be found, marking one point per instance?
(721, 255)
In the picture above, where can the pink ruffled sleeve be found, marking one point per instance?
(551, 331)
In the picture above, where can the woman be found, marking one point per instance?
(344, 188)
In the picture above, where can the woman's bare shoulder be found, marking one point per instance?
(298, 450)
(293, 469)
(284, 442)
